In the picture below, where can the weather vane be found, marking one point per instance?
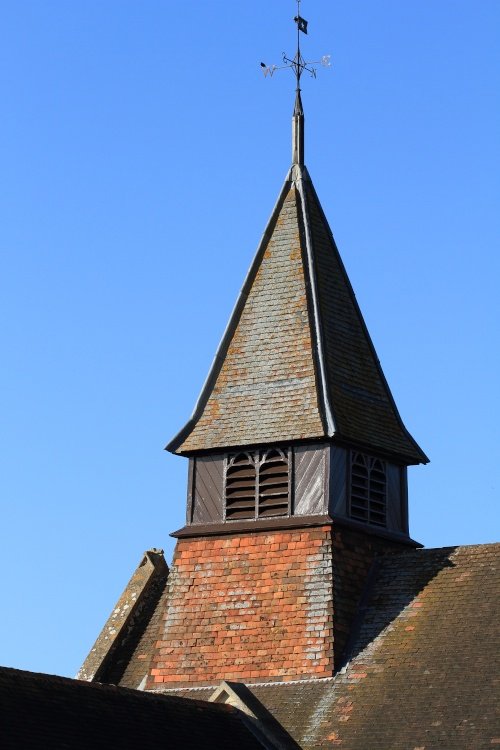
(298, 64)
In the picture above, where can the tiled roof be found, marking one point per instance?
(42, 712)
(296, 361)
(424, 662)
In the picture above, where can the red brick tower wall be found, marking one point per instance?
(262, 606)
(251, 607)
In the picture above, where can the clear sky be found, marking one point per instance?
(141, 152)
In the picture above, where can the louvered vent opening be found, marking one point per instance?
(240, 487)
(377, 493)
(273, 484)
(257, 485)
(359, 487)
(368, 489)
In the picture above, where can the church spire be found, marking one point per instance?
(296, 361)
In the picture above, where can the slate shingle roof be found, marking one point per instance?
(42, 712)
(296, 361)
(424, 665)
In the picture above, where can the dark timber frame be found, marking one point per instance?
(318, 482)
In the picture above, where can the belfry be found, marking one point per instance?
(297, 473)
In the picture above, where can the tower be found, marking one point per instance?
(297, 477)
(297, 466)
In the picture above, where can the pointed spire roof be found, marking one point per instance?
(296, 361)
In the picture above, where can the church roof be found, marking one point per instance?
(421, 672)
(39, 711)
(422, 668)
(296, 361)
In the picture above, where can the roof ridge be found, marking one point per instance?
(327, 413)
(269, 683)
(455, 547)
(99, 686)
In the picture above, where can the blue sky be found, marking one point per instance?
(141, 151)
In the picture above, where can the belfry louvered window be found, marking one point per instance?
(257, 484)
(368, 489)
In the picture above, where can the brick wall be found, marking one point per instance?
(252, 607)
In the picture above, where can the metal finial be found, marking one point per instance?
(298, 65)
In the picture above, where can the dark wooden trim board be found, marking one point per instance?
(292, 522)
(251, 527)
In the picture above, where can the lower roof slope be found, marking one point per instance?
(39, 711)
(423, 664)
